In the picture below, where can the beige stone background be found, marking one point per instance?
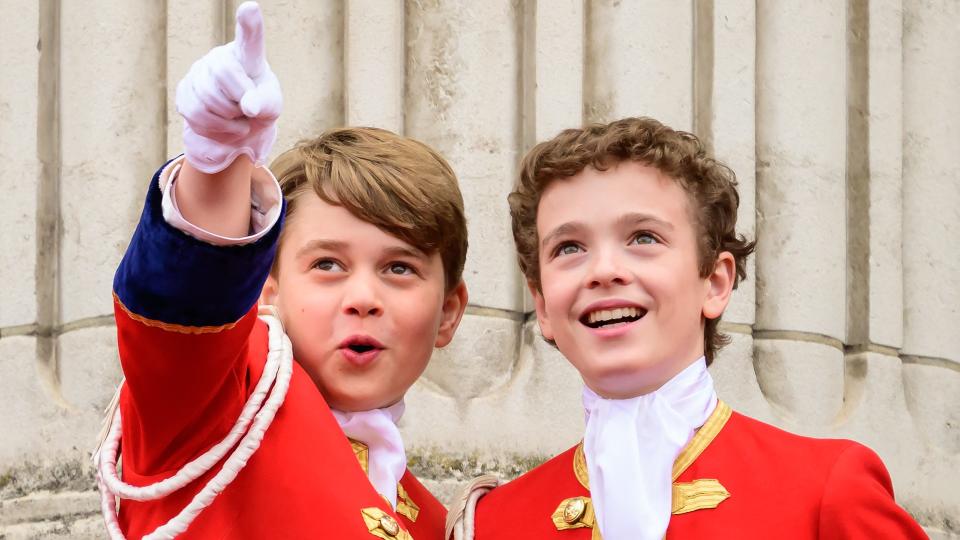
(840, 117)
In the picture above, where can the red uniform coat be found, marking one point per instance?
(192, 350)
(772, 484)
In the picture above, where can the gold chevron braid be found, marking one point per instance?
(704, 436)
(701, 494)
(178, 328)
(405, 505)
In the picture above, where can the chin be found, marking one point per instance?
(620, 380)
(352, 402)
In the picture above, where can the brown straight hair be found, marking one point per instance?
(710, 185)
(398, 184)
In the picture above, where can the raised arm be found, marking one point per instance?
(186, 290)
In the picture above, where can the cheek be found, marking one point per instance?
(417, 316)
(559, 293)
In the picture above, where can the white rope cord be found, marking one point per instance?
(194, 469)
(278, 369)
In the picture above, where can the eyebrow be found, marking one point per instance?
(320, 243)
(404, 251)
(338, 245)
(567, 228)
(633, 218)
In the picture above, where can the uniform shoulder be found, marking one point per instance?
(522, 508)
(558, 469)
(750, 431)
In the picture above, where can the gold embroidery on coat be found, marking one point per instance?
(405, 505)
(700, 494)
(576, 513)
(382, 525)
(687, 496)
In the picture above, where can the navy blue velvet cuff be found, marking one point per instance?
(171, 277)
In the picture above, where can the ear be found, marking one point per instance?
(268, 295)
(542, 319)
(719, 285)
(454, 305)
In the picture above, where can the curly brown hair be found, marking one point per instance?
(710, 185)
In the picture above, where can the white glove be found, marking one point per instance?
(230, 99)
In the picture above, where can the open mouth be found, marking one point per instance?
(608, 318)
(360, 350)
(361, 344)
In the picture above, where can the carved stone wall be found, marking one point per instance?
(840, 118)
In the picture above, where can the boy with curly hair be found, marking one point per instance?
(626, 233)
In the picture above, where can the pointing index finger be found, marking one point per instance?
(249, 39)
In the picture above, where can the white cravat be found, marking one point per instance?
(377, 428)
(630, 446)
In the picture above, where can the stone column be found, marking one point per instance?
(462, 76)
(801, 281)
(373, 63)
(931, 264)
(873, 382)
(20, 98)
(639, 61)
(724, 117)
(112, 118)
(29, 185)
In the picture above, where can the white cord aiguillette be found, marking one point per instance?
(260, 409)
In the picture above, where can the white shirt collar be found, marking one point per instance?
(378, 430)
(630, 446)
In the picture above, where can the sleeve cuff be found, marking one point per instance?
(174, 278)
(265, 206)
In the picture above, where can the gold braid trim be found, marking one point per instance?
(700, 494)
(705, 435)
(178, 328)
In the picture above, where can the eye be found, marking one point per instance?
(644, 238)
(400, 269)
(566, 248)
(327, 265)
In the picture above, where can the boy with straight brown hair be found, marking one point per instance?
(626, 233)
(282, 426)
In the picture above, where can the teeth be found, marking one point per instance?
(612, 314)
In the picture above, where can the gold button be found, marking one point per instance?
(574, 510)
(389, 526)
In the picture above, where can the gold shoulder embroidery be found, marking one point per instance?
(382, 525)
(405, 505)
(701, 494)
(178, 328)
(687, 496)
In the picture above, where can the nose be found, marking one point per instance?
(607, 268)
(361, 297)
